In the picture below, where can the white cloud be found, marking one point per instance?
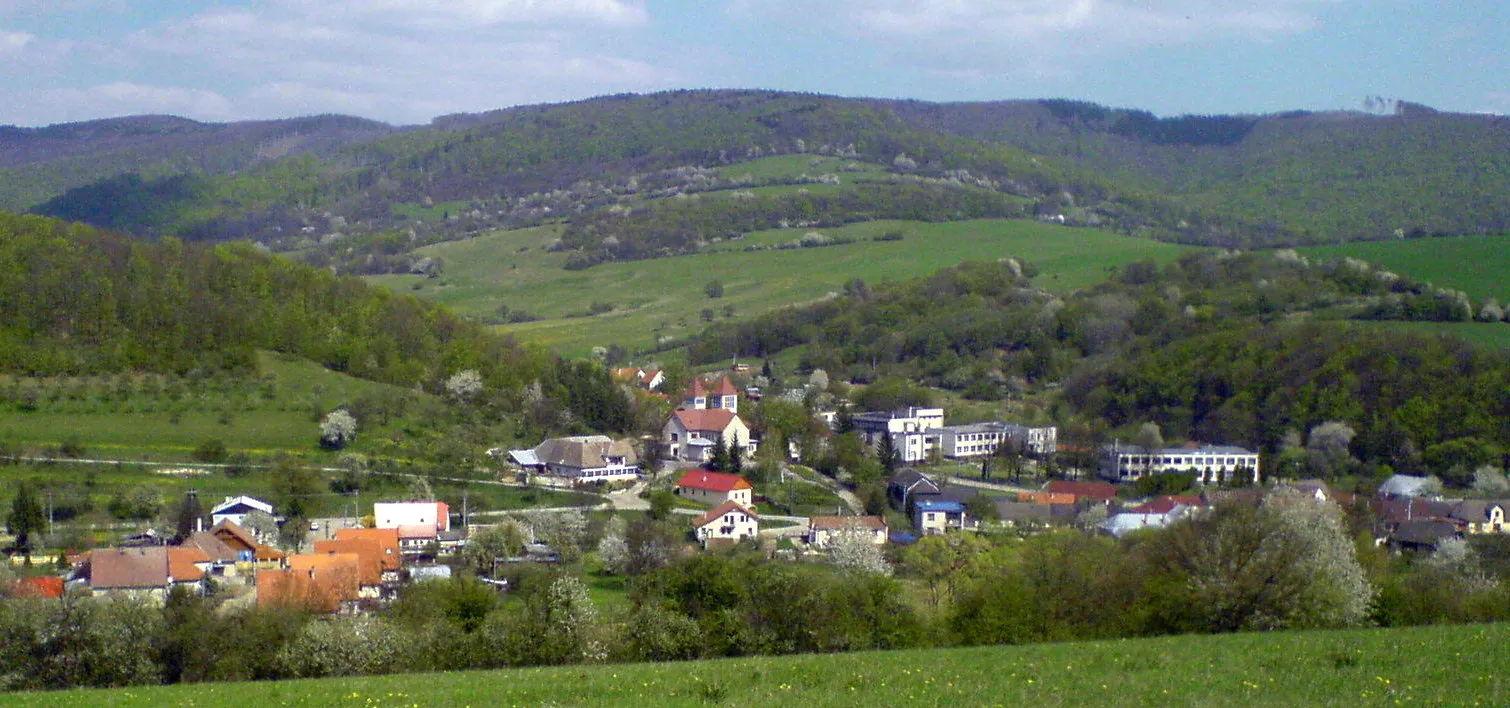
(116, 99)
(458, 13)
(303, 56)
(13, 43)
(996, 36)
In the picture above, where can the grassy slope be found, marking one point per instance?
(492, 270)
(142, 426)
(1474, 264)
(1452, 665)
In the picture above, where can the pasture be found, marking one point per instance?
(1474, 264)
(664, 297)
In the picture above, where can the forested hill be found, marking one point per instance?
(80, 301)
(1217, 346)
(1332, 176)
(1225, 180)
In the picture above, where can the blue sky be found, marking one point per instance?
(406, 61)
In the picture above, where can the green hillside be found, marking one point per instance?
(665, 296)
(1440, 665)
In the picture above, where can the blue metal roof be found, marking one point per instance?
(940, 505)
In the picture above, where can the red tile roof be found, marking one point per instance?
(122, 568)
(47, 586)
(725, 388)
(412, 531)
(718, 512)
(181, 564)
(1099, 491)
(708, 420)
(1166, 504)
(369, 554)
(387, 539)
(712, 481)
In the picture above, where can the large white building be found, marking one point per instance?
(397, 515)
(914, 431)
(1211, 463)
(983, 439)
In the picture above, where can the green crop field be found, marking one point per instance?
(1442, 665)
(664, 297)
(1476, 265)
(167, 417)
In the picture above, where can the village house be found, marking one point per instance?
(328, 582)
(583, 458)
(907, 486)
(387, 541)
(419, 524)
(1481, 516)
(1083, 492)
(823, 530)
(147, 573)
(937, 516)
(728, 521)
(648, 379)
(963, 442)
(235, 509)
(715, 488)
(235, 554)
(369, 555)
(915, 432)
(1212, 464)
(706, 416)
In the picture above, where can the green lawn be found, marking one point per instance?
(664, 297)
(1474, 264)
(1444, 665)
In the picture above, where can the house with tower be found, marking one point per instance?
(707, 414)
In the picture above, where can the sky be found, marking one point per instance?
(407, 61)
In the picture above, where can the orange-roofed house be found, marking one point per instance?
(707, 414)
(144, 573)
(316, 582)
(388, 542)
(728, 521)
(369, 557)
(48, 586)
(251, 554)
(715, 488)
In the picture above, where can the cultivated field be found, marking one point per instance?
(1441, 665)
(664, 297)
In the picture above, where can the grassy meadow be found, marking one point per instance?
(664, 297)
(1474, 264)
(1438, 665)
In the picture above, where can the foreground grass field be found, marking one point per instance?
(664, 297)
(1445, 665)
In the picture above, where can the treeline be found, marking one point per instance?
(672, 227)
(82, 301)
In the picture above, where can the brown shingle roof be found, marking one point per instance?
(1099, 491)
(125, 568)
(717, 512)
(584, 452)
(707, 420)
(834, 523)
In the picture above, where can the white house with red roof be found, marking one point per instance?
(707, 414)
(728, 521)
(714, 487)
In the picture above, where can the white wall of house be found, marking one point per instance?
(391, 515)
(714, 498)
(1214, 464)
(735, 524)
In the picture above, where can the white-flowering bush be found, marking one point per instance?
(338, 428)
(464, 384)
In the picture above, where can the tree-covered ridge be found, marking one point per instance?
(38, 164)
(980, 325)
(83, 301)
